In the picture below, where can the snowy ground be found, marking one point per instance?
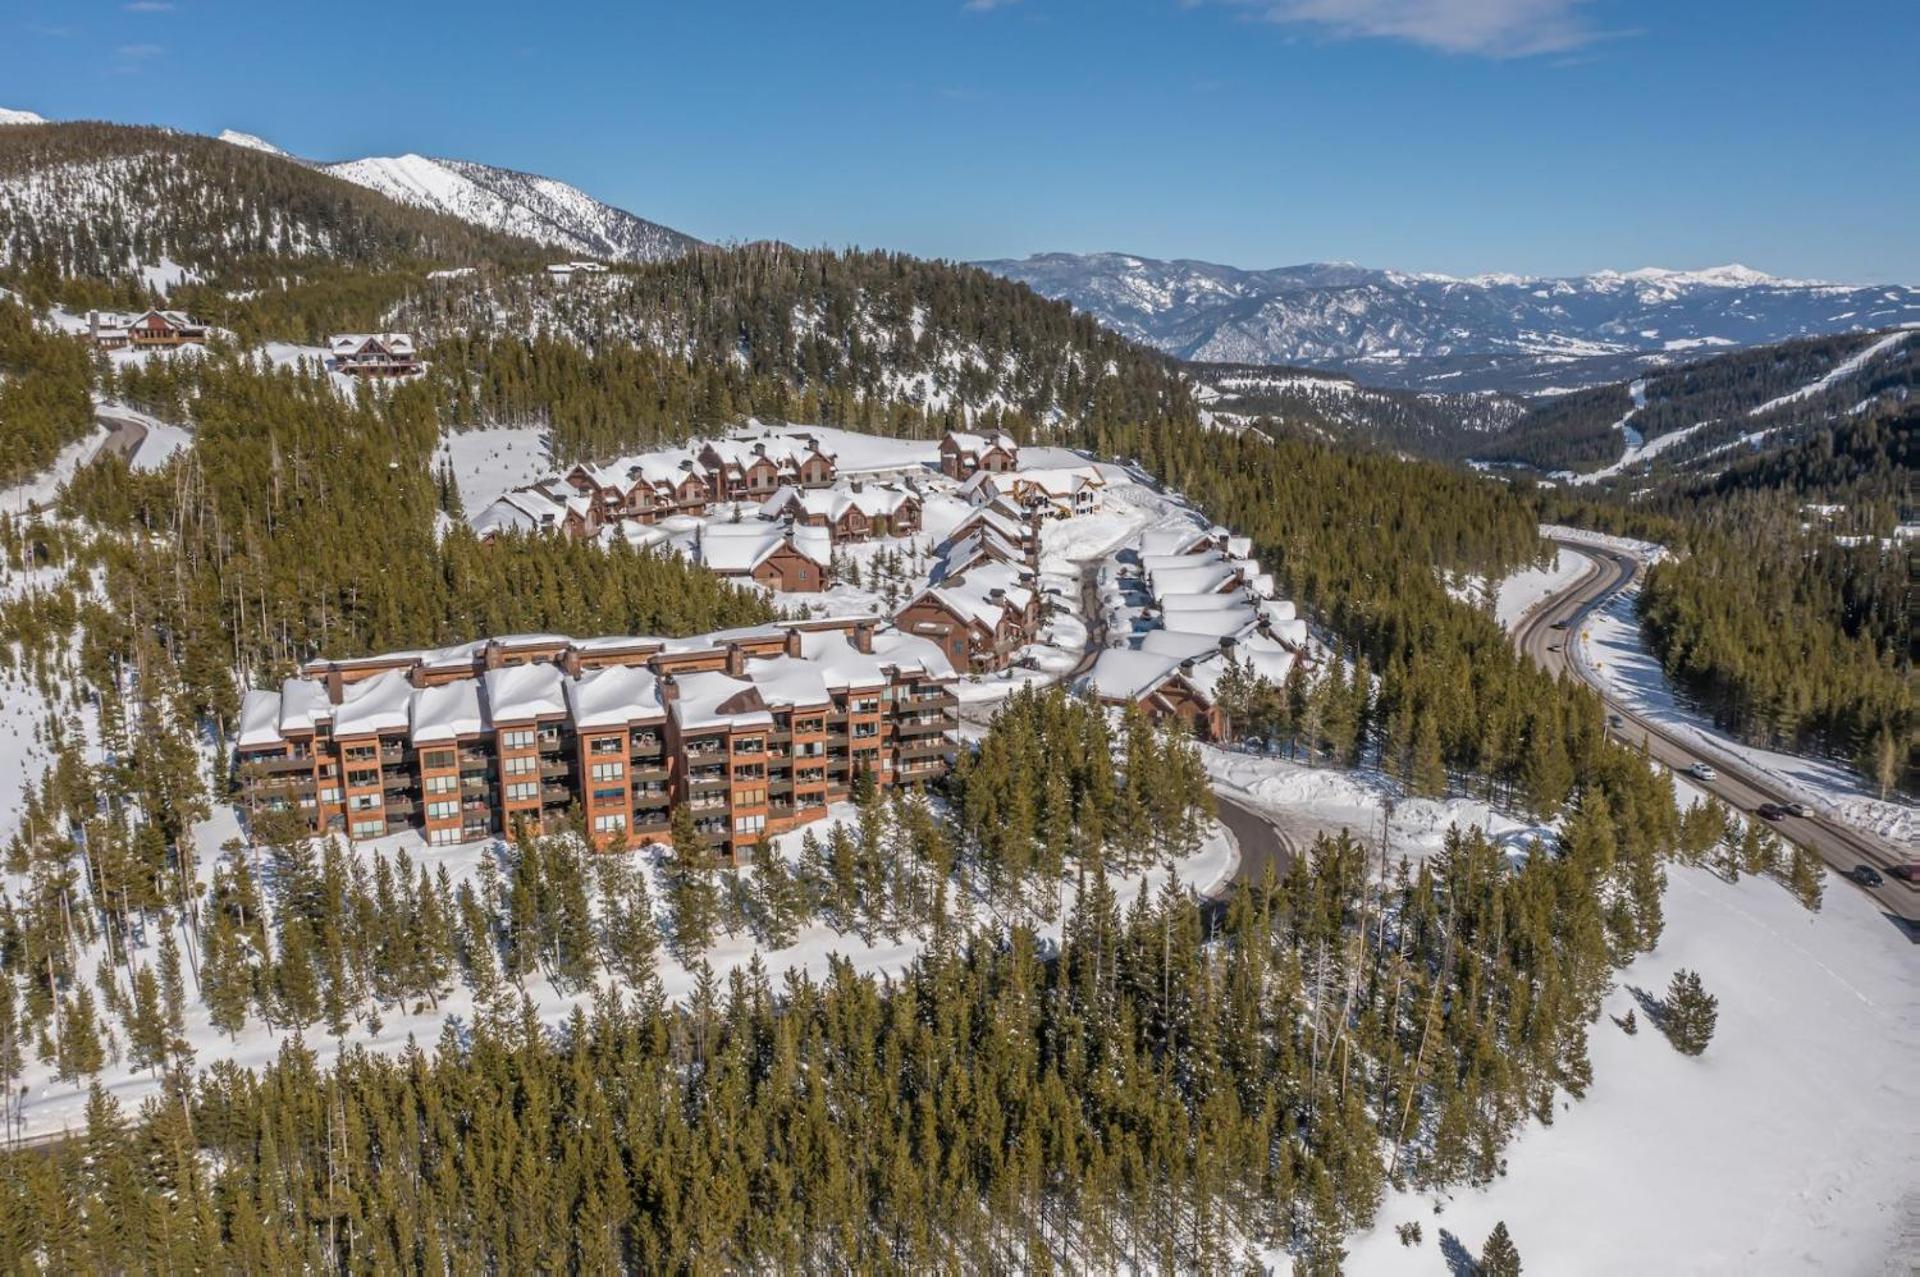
(1612, 645)
(1792, 1145)
(487, 463)
(1526, 589)
(1305, 801)
(44, 487)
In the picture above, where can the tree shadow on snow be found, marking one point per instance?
(1653, 1008)
(1460, 1261)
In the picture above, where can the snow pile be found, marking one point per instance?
(1522, 591)
(1788, 1147)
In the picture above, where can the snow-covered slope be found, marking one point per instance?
(539, 208)
(1438, 332)
(252, 142)
(9, 116)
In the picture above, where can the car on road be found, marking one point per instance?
(1700, 771)
(1561, 625)
(1865, 875)
(1906, 873)
(1616, 722)
(1770, 811)
(1799, 809)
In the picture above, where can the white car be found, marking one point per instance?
(1700, 771)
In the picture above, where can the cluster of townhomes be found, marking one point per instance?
(1195, 604)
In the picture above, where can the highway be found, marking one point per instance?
(1842, 847)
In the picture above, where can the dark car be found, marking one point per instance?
(1905, 873)
(1770, 811)
(1561, 625)
(1865, 875)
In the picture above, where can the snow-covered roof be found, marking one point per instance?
(786, 682)
(1208, 578)
(613, 696)
(712, 699)
(875, 501)
(371, 705)
(518, 693)
(973, 445)
(259, 720)
(1181, 604)
(303, 704)
(1161, 562)
(1172, 540)
(1213, 624)
(1128, 674)
(735, 548)
(400, 344)
(995, 518)
(447, 712)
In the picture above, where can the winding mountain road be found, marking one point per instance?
(1542, 635)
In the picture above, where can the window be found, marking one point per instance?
(520, 738)
(330, 793)
(609, 824)
(522, 766)
(361, 753)
(609, 796)
(750, 745)
(369, 828)
(749, 824)
(749, 797)
(443, 837)
(609, 771)
(364, 802)
(434, 760)
(522, 791)
(865, 731)
(442, 784)
(807, 725)
(605, 745)
(445, 809)
(360, 777)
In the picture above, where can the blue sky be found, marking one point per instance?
(1547, 136)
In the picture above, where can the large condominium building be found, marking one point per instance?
(755, 730)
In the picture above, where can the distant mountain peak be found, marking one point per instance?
(542, 209)
(1445, 333)
(9, 116)
(253, 142)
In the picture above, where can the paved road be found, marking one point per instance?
(1841, 846)
(125, 436)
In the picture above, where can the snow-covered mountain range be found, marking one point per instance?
(542, 209)
(1438, 332)
(10, 116)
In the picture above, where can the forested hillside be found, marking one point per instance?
(868, 340)
(95, 201)
(1720, 405)
(1422, 422)
(44, 403)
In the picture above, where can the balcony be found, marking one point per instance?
(708, 802)
(399, 805)
(925, 747)
(555, 795)
(552, 768)
(651, 796)
(940, 699)
(922, 725)
(279, 766)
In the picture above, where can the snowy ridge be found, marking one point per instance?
(1845, 368)
(1492, 331)
(252, 142)
(9, 116)
(538, 208)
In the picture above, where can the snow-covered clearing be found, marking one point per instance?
(1523, 591)
(1613, 647)
(1790, 1146)
(1638, 451)
(1305, 801)
(489, 462)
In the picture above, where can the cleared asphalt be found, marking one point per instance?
(1543, 635)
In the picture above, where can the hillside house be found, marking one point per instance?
(373, 354)
(963, 455)
(150, 330)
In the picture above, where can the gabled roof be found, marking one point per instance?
(377, 704)
(399, 345)
(259, 720)
(522, 693)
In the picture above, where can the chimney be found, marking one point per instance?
(1228, 642)
(570, 662)
(495, 658)
(794, 642)
(736, 661)
(863, 637)
(669, 690)
(1186, 668)
(335, 684)
(859, 485)
(997, 595)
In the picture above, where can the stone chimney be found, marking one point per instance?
(493, 658)
(736, 661)
(335, 684)
(794, 642)
(863, 637)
